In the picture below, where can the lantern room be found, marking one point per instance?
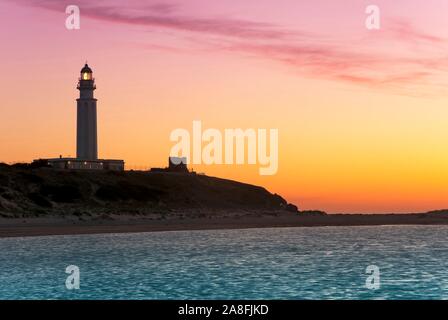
(86, 73)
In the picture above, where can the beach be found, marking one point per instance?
(71, 225)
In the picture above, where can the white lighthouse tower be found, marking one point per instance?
(86, 134)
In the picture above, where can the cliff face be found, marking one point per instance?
(38, 192)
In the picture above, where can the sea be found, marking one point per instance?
(380, 262)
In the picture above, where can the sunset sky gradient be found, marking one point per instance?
(362, 115)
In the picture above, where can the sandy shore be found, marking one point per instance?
(74, 225)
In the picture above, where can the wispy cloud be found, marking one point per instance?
(420, 60)
(167, 15)
(360, 62)
(402, 30)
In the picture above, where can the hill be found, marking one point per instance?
(37, 192)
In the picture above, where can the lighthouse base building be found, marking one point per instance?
(86, 133)
(78, 164)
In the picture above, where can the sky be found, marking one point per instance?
(361, 113)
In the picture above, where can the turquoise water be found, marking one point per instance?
(288, 263)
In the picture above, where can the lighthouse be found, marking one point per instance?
(86, 126)
(86, 133)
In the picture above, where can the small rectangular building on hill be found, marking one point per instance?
(175, 164)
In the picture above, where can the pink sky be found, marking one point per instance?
(361, 114)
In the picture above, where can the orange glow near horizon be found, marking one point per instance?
(361, 129)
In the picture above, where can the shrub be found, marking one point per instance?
(61, 193)
(39, 200)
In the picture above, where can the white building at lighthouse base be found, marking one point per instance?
(79, 164)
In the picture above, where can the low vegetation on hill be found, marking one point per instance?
(27, 191)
